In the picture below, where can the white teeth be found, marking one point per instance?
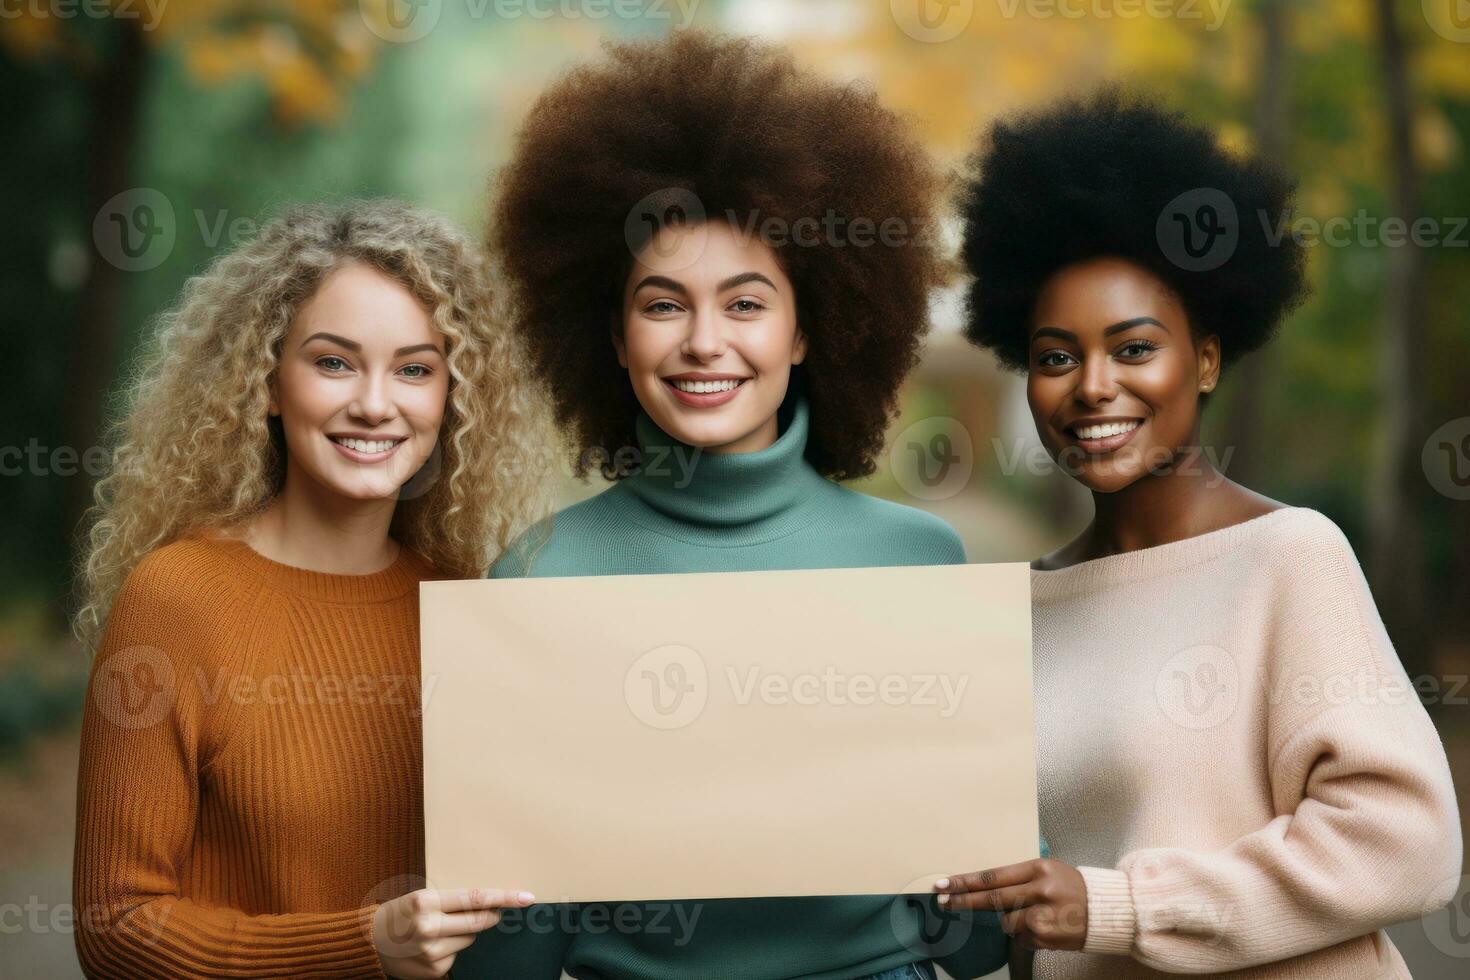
(1105, 429)
(706, 387)
(371, 446)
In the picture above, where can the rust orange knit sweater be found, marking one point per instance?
(251, 775)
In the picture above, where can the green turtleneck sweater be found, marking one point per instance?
(691, 511)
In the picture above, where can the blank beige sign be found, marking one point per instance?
(730, 734)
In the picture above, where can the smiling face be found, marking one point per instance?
(361, 385)
(709, 336)
(1114, 375)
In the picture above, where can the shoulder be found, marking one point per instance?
(553, 545)
(187, 578)
(922, 537)
(1301, 541)
(179, 607)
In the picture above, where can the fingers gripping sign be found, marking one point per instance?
(1043, 902)
(419, 934)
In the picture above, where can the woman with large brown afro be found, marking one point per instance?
(721, 265)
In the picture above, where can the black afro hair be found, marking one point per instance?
(1115, 175)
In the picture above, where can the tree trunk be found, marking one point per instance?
(116, 92)
(1396, 545)
(1250, 377)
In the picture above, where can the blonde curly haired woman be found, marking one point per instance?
(331, 416)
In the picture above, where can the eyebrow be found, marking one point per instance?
(736, 280)
(1118, 327)
(355, 346)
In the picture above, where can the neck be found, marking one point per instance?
(761, 492)
(1158, 508)
(310, 527)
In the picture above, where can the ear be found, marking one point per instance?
(1209, 363)
(615, 331)
(798, 347)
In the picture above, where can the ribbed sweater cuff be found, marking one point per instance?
(373, 966)
(1112, 922)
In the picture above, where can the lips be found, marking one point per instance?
(707, 392)
(1104, 436)
(366, 450)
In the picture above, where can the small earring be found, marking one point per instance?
(1206, 386)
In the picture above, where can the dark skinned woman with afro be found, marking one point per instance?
(720, 264)
(1235, 773)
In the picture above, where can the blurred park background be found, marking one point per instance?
(144, 137)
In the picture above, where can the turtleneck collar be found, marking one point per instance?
(734, 496)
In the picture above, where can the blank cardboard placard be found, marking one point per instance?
(728, 734)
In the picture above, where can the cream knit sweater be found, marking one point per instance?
(1230, 750)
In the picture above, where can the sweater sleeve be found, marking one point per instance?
(137, 807)
(1366, 831)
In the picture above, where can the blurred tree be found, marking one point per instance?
(1397, 480)
(306, 52)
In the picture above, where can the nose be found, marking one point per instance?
(705, 340)
(1095, 382)
(370, 402)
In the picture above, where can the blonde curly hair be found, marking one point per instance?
(196, 449)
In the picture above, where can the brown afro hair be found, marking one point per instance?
(735, 124)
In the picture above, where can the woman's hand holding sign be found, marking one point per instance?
(1043, 902)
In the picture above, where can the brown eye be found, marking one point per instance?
(1136, 349)
(1054, 358)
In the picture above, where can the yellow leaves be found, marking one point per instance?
(27, 35)
(1444, 67)
(305, 51)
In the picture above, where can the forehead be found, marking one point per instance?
(1100, 292)
(700, 255)
(364, 304)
